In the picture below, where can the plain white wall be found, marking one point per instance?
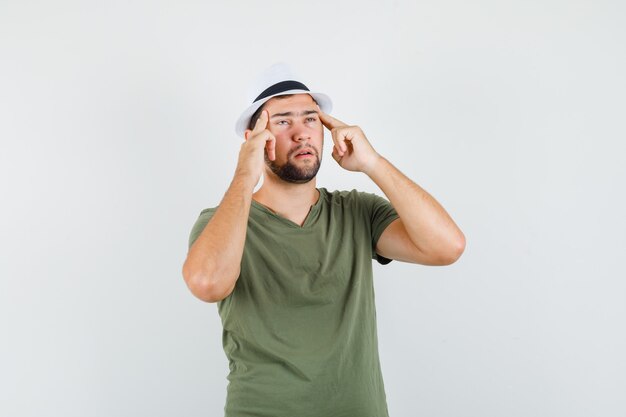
(116, 129)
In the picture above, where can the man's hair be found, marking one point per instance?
(257, 114)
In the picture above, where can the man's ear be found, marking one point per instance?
(246, 134)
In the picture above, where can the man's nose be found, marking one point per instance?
(301, 134)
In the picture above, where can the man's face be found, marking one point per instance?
(295, 123)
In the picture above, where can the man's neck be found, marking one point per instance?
(292, 201)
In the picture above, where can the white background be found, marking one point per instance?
(116, 129)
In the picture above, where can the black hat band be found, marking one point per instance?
(281, 87)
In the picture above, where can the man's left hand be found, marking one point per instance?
(351, 149)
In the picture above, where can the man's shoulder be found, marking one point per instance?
(208, 211)
(201, 222)
(205, 215)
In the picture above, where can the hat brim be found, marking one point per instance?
(242, 123)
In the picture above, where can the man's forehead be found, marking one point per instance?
(282, 103)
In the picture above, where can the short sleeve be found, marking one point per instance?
(381, 214)
(201, 222)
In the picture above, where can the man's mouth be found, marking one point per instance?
(306, 153)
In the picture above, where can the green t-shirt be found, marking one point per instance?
(300, 325)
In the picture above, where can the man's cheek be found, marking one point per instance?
(282, 151)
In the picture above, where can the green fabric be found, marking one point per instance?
(300, 326)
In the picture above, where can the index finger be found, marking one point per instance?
(329, 121)
(261, 123)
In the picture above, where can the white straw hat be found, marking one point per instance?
(277, 80)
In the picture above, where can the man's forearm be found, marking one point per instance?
(428, 225)
(213, 262)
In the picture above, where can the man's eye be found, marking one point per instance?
(311, 119)
(282, 122)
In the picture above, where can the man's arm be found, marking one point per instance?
(214, 260)
(424, 233)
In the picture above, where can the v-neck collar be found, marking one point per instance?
(309, 219)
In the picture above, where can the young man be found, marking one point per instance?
(291, 264)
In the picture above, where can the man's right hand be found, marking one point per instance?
(252, 152)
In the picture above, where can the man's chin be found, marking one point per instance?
(298, 176)
(295, 173)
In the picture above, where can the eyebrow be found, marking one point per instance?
(290, 114)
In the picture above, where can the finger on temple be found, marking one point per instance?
(329, 121)
(261, 123)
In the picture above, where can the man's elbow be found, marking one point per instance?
(207, 286)
(207, 292)
(454, 252)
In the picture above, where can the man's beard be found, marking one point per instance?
(291, 173)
